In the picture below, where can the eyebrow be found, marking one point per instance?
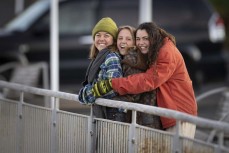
(143, 37)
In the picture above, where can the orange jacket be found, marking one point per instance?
(170, 76)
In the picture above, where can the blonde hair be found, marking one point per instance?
(132, 32)
(94, 51)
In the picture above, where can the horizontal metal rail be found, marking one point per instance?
(71, 132)
(211, 92)
(201, 122)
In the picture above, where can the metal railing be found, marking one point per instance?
(223, 112)
(26, 128)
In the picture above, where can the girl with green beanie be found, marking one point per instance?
(105, 64)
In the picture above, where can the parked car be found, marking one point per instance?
(198, 29)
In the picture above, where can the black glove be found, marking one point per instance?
(102, 87)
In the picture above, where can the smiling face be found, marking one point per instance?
(103, 40)
(125, 40)
(142, 41)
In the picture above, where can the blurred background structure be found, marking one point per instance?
(222, 7)
(199, 33)
(11, 8)
(194, 23)
(198, 28)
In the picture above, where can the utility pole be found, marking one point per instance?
(54, 55)
(145, 11)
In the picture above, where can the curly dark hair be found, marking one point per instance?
(156, 37)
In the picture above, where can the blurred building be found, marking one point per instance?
(10, 8)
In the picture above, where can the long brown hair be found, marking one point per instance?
(156, 39)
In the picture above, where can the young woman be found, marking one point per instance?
(167, 72)
(105, 63)
(134, 62)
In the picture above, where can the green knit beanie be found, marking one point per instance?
(106, 25)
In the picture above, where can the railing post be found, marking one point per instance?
(54, 142)
(91, 133)
(19, 132)
(220, 142)
(45, 82)
(132, 133)
(176, 138)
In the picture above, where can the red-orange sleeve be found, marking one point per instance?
(151, 79)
